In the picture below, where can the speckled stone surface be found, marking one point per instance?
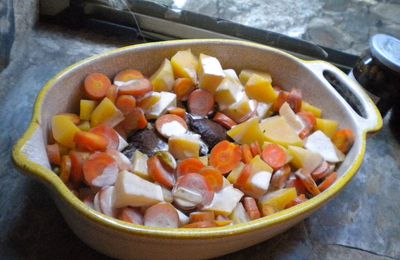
(363, 222)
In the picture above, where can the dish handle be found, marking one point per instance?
(367, 115)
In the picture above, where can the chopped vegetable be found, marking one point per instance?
(190, 165)
(343, 140)
(252, 210)
(108, 133)
(64, 130)
(274, 155)
(127, 75)
(100, 170)
(163, 78)
(136, 87)
(90, 142)
(53, 152)
(200, 102)
(225, 156)
(183, 87)
(96, 85)
(213, 177)
(224, 120)
(159, 173)
(125, 103)
(169, 125)
(327, 182)
(161, 215)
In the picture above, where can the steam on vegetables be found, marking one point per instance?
(194, 145)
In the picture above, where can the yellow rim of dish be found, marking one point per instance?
(48, 177)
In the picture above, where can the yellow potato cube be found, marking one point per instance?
(277, 130)
(64, 130)
(310, 108)
(163, 79)
(305, 159)
(184, 65)
(328, 127)
(247, 132)
(106, 112)
(210, 73)
(238, 110)
(245, 75)
(277, 200)
(84, 126)
(228, 92)
(86, 108)
(258, 165)
(260, 89)
(231, 73)
(184, 146)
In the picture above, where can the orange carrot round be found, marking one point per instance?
(201, 216)
(136, 88)
(77, 160)
(246, 153)
(90, 142)
(112, 93)
(224, 120)
(131, 215)
(200, 102)
(189, 165)
(213, 177)
(328, 181)
(159, 173)
(274, 156)
(225, 156)
(109, 133)
(255, 149)
(53, 152)
(125, 103)
(181, 112)
(65, 168)
(161, 215)
(134, 120)
(96, 85)
(166, 119)
(97, 165)
(251, 208)
(309, 120)
(343, 139)
(196, 183)
(183, 87)
(127, 75)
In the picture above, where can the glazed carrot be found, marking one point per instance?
(328, 181)
(213, 177)
(125, 103)
(65, 168)
(197, 183)
(112, 93)
(73, 117)
(280, 177)
(183, 87)
(96, 85)
(308, 182)
(77, 160)
(109, 133)
(244, 177)
(134, 120)
(169, 124)
(246, 153)
(90, 142)
(282, 98)
(343, 139)
(198, 216)
(201, 224)
(321, 172)
(225, 156)
(295, 98)
(309, 120)
(251, 208)
(100, 165)
(159, 173)
(274, 156)
(224, 120)
(131, 215)
(181, 112)
(200, 102)
(189, 165)
(127, 75)
(53, 152)
(161, 215)
(136, 88)
(255, 149)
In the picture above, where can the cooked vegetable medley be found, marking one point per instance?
(194, 145)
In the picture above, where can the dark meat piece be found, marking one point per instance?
(211, 132)
(146, 141)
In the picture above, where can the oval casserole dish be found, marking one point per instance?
(127, 241)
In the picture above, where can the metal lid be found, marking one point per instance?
(386, 49)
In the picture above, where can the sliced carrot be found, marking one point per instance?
(136, 88)
(274, 156)
(298, 200)
(65, 168)
(183, 87)
(73, 117)
(109, 133)
(244, 177)
(112, 93)
(251, 208)
(280, 177)
(148, 100)
(77, 160)
(96, 85)
(321, 172)
(127, 75)
(190, 165)
(120, 129)
(131, 215)
(53, 153)
(308, 182)
(225, 156)
(294, 99)
(201, 224)
(123, 162)
(161, 215)
(246, 153)
(255, 149)
(159, 173)
(196, 183)
(282, 98)
(343, 139)
(213, 177)
(90, 142)
(181, 112)
(125, 103)
(201, 102)
(169, 119)
(198, 216)
(100, 170)
(134, 120)
(224, 120)
(309, 120)
(328, 181)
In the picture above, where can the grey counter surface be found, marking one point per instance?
(363, 222)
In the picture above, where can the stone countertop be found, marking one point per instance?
(361, 223)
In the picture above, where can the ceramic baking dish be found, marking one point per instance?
(122, 240)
